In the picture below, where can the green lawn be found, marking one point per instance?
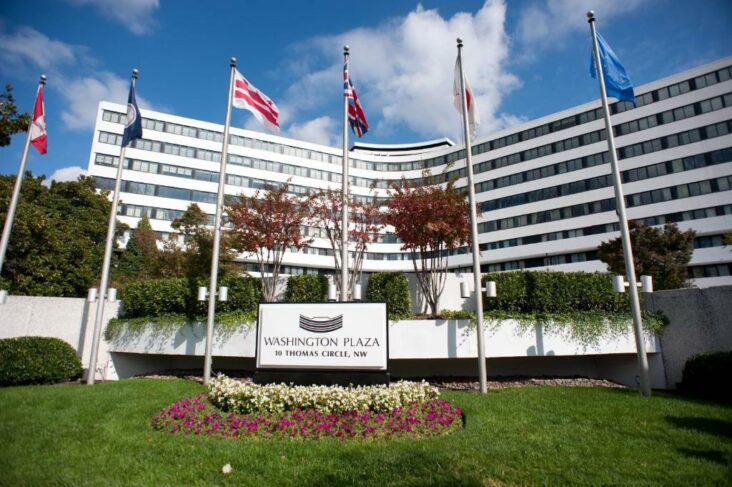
(100, 435)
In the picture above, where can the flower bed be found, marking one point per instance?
(231, 395)
(197, 415)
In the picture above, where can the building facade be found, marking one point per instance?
(544, 188)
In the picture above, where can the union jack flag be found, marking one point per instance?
(356, 116)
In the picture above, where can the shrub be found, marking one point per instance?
(554, 292)
(706, 376)
(393, 288)
(37, 360)
(310, 288)
(171, 296)
(582, 305)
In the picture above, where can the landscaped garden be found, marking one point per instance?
(104, 435)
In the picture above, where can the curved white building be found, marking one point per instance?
(544, 187)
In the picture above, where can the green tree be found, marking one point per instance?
(193, 260)
(662, 253)
(141, 259)
(11, 122)
(57, 241)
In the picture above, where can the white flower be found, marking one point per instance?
(226, 470)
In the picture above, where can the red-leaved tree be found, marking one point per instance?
(266, 225)
(430, 221)
(365, 221)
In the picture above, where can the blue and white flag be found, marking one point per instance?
(133, 124)
(617, 82)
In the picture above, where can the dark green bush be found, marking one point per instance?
(707, 375)
(310, 288)
(37, 360)
(393, 288)
(179, 296)
(554, 292)
(582, 305)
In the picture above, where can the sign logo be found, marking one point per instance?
(131, 114)
(321, 324)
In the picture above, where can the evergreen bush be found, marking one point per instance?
(393, 288)
(706, 376)
(159, 297)
(37, 360)
(582, 304)
(310, 288)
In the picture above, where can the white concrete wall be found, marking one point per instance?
(429, 342)
(442, 347)
(70, 319)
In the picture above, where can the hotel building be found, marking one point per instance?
(544, 188)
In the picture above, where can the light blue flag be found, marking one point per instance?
(617, 82)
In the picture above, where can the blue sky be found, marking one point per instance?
(524, 59)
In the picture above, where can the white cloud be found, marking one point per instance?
(84, 94)
(321, 130)
(70, 173)
(548, 22)
(27, 48)
(403, 71)
(135, 15)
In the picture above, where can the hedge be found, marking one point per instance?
(37, 360)
(394, 289)
(706, 376)
(310, 288)
(580, 304)
(175, 296)
(554, 292)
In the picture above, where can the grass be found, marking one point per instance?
(101, 435)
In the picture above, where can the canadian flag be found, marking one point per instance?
(250, 98)
(38, 126)
(473, 117)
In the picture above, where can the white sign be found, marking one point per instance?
(322, 336)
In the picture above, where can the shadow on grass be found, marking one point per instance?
(715, 456)
(716, 427)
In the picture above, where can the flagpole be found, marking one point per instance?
(624, 232)
(217, 231)
(344, 191)
(107, 258)
(16, 190)
(473, 227)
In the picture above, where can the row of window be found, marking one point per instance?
(661, 143)
(713, 270)
(638, 199)
(675, 89)
(696, 214)
(628, 176)
(700, 242)
(675, 115)
(551, 127)
(675, 140)
(531, 263)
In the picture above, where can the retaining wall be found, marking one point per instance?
(700, 321)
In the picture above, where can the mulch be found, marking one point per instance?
(443, 383)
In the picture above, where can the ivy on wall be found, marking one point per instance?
(580, 305)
